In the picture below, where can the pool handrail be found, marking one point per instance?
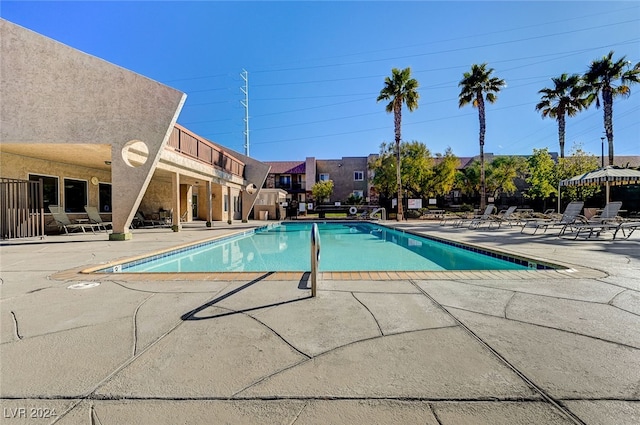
(377, 210)
(315, 257)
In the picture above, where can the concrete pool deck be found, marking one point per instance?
(544, 347)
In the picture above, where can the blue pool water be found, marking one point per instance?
(346, 246)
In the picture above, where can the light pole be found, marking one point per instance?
(602, 150)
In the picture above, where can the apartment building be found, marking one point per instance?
(85, 132)
(350, 176)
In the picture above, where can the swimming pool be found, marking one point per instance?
(346, 246)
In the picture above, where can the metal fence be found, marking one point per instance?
(21, 208)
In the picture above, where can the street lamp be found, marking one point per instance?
(602, 150)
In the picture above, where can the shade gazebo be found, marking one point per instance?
(607, 176)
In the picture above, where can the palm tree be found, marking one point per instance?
(478, 86)
(400, 89)
(601, 79)
(566, 98)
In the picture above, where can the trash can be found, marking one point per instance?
(264, 215)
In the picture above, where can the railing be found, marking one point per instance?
(315, 257)
(21, 208)
(191, 146)
(377, 210)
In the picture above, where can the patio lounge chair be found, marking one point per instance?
(569, 216)
(64, 222)
(506, 216)
(453, 218)
(141, 221)
(626, 228)
(94, 217)
(476, 219)
(606, 220)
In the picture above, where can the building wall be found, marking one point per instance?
(19, 167)
(310, 174)
(52, 93)
(270, 182)
(341, 171)
(372, 193)
(156, 198)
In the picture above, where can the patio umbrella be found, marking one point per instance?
(608, 176)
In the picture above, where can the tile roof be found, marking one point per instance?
(623, 160)
(287, 167)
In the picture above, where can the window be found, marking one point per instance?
(358, 176)
(324, 177)
(236, 203)
(75, 195)
(105, 197)
(226, 203)
(49, 189)
(285, 181)
(358, 194)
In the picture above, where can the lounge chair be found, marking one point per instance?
(476, 219)
(453, 218)
(141, 221)
(626, 228)
(506, 216)
(64, 222)
(569, 216)
(608, 219)
(94, 217)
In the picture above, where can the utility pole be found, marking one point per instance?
(245, 76)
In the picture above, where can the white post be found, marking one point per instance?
(315, 258)
(559, 198)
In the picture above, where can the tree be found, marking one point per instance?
(322, 190)
(444, 173)
(416, 169)
(601, 80)
(400, 89)
(354, 200)
(566, 98)
(578, 162)
(468, 179)
(478, 86)
(503, 172)
(384, 171)
(542, 178)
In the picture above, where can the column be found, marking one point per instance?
(175, 202)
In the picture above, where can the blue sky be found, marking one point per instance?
(316, 68)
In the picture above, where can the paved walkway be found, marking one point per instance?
(533, 348)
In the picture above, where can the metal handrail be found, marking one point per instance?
(315, 257)
(384, 213)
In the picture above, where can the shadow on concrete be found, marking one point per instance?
(20, 242)
(192, 315)
(305, 281)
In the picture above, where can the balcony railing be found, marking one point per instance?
(289, 186)
(188, 144)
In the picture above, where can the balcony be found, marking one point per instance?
(181, 140)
